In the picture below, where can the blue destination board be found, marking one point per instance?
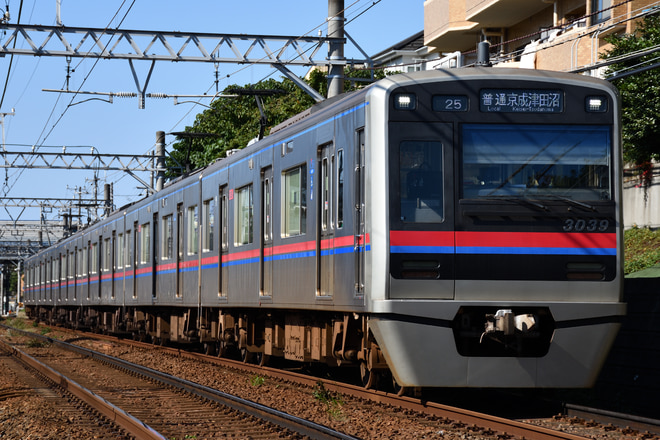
(521, 101)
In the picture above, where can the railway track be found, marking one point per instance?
(27, 382)
(153, 405)
(483, 425)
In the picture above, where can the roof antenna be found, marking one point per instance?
(483, 54)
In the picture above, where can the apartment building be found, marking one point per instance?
(563, 35)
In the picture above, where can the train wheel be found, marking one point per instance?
(245, 356)
(369, 377)
(398, 389)
(262, 359)
(209, 348)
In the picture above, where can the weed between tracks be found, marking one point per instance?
(332, 402)
(257, 381)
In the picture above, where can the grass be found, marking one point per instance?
(332, 401)
(642, 249)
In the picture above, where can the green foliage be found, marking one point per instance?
(37, 343)
(17, 323)
(332, 402)
(235, 121)
(231, 123)
(642, 249)
(640, 93)
(257, 381)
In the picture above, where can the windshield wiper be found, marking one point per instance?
(526, 200)
(575, 202)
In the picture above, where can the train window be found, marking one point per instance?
(120, 251)
(294, 202)
(107, 255)
(93, 258)
(223, 214)
(243, 232)
(145, 242)
(340, 189)
(63, 267)
(130, 248)
(192, 234)
(208, 224)
(167, 244)
(538, 161)
(420, 175)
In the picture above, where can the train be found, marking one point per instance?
(446, 228)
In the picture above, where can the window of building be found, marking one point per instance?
(601, 10)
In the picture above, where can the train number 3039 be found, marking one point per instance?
(588, 225)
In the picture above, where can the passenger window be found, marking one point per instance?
(209, 224)
(193, 230)
(145, 240)
(244, 216)
(294, 202)
(420, 176)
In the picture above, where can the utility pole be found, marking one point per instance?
(336, 60)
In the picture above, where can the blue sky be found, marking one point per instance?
(122, 128)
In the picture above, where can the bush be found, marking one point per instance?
(642, 249)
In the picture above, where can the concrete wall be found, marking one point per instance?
(641, 205)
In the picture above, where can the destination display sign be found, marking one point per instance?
(521, 101)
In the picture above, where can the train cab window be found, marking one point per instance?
(420, 176)
(192, 234)
(209, 224)
(145, 243)
(244, 229)
(294, 202)
(537, 161)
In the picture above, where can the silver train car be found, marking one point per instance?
(456, 228)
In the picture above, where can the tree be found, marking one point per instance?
(233, 122)
(640, 93)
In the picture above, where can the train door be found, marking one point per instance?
(134, 258)
(422, 245)
(154, 258)
(113, 265)
(179, 249)
(266, 288)
(360, 241)
(222, 242)
(325, 227)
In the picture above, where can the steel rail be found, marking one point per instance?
(118, 416)
(280, 418)
(501, 425)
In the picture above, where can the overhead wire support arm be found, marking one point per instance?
(73, 161)
(163, 46)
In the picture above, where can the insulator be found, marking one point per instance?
(125, 94)
(157, 95)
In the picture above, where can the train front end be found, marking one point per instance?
(496, 249)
